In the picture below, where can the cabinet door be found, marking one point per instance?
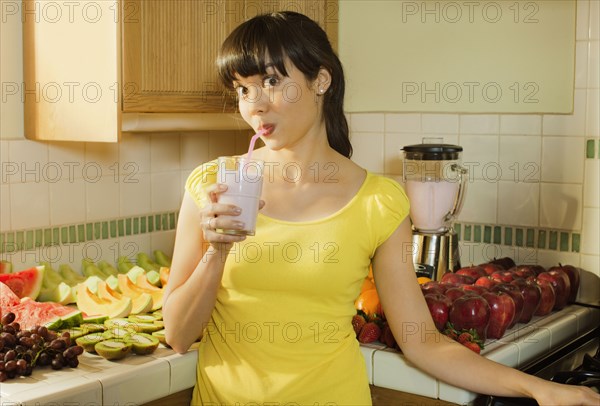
(169, 49)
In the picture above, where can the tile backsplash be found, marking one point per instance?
(533, 190)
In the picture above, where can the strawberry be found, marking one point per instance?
(369, 333)
(387, 337)
(358, 322)
(464, 338)
(472, 346)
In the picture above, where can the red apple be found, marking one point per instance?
(470, 311)
(486, 282)
(548, 298)
(502, 276)
(433, 287)
(523, 271)
(561, 284)
(505, 262)
(490, 268)
(502, 313)
(574, 277)
(532, 294)
(515, 292)
(454, 293)
(439, 307)
(472, 271)
(477, 289)
(454, 278)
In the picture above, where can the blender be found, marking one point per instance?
(435, 183)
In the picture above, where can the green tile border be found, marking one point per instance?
(16, 240)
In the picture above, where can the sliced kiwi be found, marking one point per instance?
(148, 327)
(89, 341)
(92, 327)
(113, 349)
(158, 314)
(118, 333)
(74, 332)
(161, 336)
(120, 323)
(142, 343)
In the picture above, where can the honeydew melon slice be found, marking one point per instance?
(61, 293)
(134, 272)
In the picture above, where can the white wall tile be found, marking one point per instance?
(220, 143)
(520, 158)
(592, 125)
(166, 191)
(480, 156)
(560, 205)
(5, 212)
(164, 241)
(368, 150)
(429, 138)
(583, 18)
(101, 159)
(548, 258)
(518, 203)
(480, 204)
(194, 149)
(581, 64)
(402, 123)
(102, 199)
(521, 124)
(568, 124)
(164, 152)
(589, 285)
(29, 205)
(28, 161)
(440, 123)
(593, 65)
(135, 148)
(367, 122)
(591, 185)
(590, 234)
(562, 159)
(135, 195)
(594, 29)
(479, 124)
(68, 158)
(4, 161)
(67, 202)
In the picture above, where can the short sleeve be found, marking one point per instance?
(200, 178)
(389, 207)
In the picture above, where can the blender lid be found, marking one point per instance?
(432, 152)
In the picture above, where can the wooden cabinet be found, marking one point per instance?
(94, 69)
(170, 47)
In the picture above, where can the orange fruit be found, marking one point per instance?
(370, 275)
(367, 285)
(423, 279)
(368, 302)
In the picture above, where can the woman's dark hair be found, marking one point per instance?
(303, 41)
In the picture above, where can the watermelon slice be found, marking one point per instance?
(26, 283)
(30, 313)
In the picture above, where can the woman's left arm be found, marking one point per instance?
(407, 312)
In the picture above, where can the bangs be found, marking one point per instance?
(251, 49)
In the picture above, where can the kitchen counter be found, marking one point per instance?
(166, 374)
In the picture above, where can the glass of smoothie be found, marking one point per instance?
(244, 179)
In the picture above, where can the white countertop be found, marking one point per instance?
(140, 379)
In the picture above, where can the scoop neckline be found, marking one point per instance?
(336, 213)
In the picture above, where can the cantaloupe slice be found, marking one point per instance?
(92, 304)
(132, 290)
(140, 304)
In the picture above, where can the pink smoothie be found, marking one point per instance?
(244, 187)
(430, 202)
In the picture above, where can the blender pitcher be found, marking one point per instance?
(435, 183)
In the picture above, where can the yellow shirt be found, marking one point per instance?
(281, 331)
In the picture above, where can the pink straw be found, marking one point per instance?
(253, 141)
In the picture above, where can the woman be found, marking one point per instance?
(274, 310)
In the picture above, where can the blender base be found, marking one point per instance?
(435, 253)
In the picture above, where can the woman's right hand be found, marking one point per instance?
(211, 220)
